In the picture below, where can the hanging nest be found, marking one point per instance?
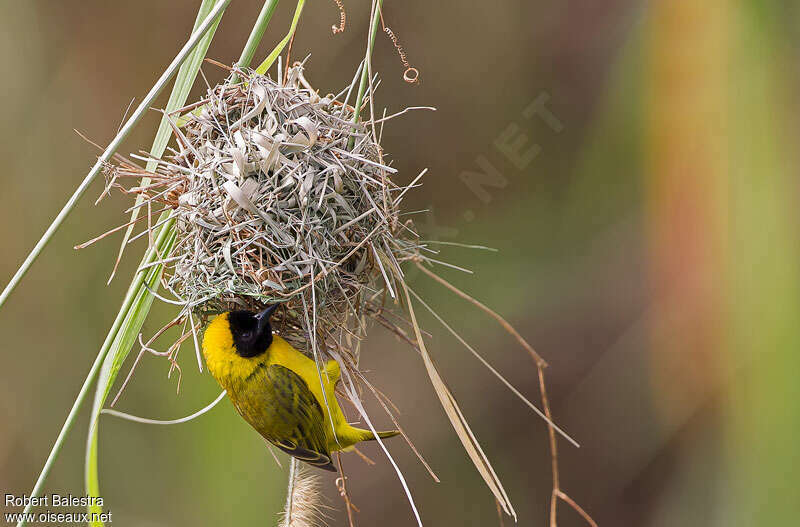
(278, 197)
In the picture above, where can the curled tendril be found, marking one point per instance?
(411, 74)
(342, 18)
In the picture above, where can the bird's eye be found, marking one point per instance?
(247, 334)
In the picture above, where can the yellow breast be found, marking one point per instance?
(232, 370)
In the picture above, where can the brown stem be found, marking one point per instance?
(553, 448)
(540, 365)
(503, 322)
(577, 508)
(288, 57)
(499, 513)
(341, 484)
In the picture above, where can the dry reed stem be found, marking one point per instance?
(377, 393)
(341, 485)
(499, 514)
(551, 430)
(365, 458)
(457, 419)
(508, 327)
(577, 508)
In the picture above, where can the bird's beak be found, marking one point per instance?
(263, 317)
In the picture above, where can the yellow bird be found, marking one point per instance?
(277, 389)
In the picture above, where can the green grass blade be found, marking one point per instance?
(180, 92)
(257, 34)
(136, 313)
(247, 52)
(270, 60)
(129, 298)
(362, 86)
(124, 340)
(109, 151)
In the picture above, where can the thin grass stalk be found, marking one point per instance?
(134, 320)
(112, 147)
(457, 419)
(124, 335)
(186, 419)
(362, 86)
(488, 366)
(349, 388)
(126, 306)
(293, 462)
(180, 92)
(556, 493)
(500, 320)
(135, 316)
(256, 35)
(122, 343)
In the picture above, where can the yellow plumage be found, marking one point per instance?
(277, 389)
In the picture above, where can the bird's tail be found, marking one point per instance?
(383, 435)
(367, 435)
(356, 435)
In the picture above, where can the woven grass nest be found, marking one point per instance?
(278, 197)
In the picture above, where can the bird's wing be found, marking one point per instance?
(302, 418)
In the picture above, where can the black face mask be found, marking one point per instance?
(252, 332)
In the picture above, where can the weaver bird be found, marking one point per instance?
(277, 389)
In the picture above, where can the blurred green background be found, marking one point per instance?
(647, 230)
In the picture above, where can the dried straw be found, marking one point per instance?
(271, 206)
